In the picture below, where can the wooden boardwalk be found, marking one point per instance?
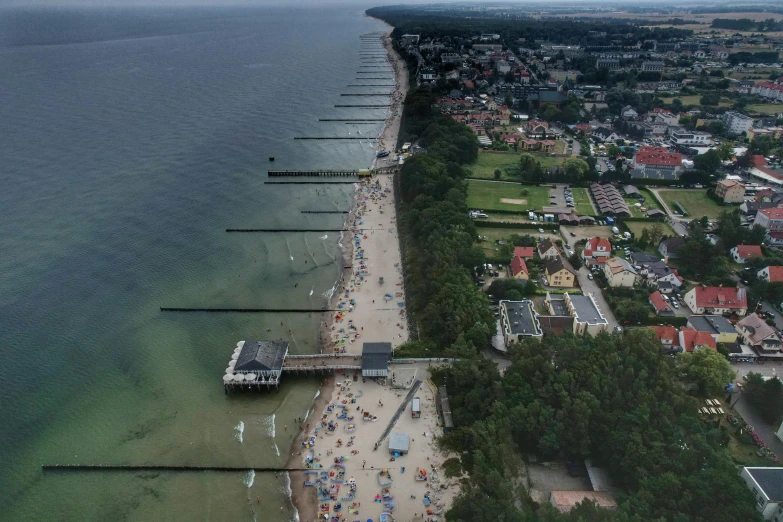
(318, 363)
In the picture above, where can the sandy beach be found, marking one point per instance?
(335, 438)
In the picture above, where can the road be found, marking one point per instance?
(590, 287)
(576, 148)
(676, 222)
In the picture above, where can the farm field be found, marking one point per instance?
(695, 202)
(489, 195)
(487, 162)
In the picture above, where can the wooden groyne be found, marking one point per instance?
(247, 230)
(325, 211)
(149, 467)
(352, 119)
(309, 182)
(278, 173)
(385, 94)
(366, 106)
(334, 138)
(248, 310)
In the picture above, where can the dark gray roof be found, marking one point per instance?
(640, 258)
(443, 400)
(399, 442)
(585, 309)
(521, 317)
(673, 244)
(653, 173)
(544, 245)
(711, 323)
(770, 480)
(603, 132)
(557, 264)
(654, 212)
(376, 356)
(261, 356)
(630, 189)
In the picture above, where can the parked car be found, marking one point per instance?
(618, 329)
(573, 235)
(590, 277)
(540, 230)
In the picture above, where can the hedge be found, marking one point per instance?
(504, 224)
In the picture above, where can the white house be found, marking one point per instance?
(619, 272)
(742, 253)
(766, 483)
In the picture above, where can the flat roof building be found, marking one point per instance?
(716, 325)
(375, 359)
(519, 321)
(256, 363)
(587, 316)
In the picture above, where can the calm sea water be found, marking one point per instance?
(129, 140)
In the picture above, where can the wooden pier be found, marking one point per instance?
(366, 94)
(322, 363)
(368, 120)
(311, 173)
(371, 85)
(287, 230)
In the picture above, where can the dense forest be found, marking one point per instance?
(438, 237)
(440, 24)
(617, 400)
(746, 24)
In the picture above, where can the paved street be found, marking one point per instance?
(764, 430)
(588, 286)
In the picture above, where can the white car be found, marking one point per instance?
(540, 230)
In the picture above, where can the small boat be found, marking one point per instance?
(271, 158)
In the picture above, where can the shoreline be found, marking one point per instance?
(306, 502)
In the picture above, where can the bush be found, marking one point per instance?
(452, 467)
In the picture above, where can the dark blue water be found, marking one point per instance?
(129, 140)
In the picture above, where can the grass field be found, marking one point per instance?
(695, 99)
(696, 202)
(765, 108)
(582, 202)
(487, 195)
(636, 227)
(492, 249)
(487, 162)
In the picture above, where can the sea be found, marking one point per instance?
(130, 139)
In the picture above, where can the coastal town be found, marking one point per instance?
(622, 187)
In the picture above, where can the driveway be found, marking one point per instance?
(765, 431)
(677, 223)
(576, 148)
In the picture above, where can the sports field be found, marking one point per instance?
(490, 195)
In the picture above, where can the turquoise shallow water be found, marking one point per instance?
(130, 140)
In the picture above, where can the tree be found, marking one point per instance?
(656, 233)
(497, 173)
(709, 162)
(710, 98)
(575, 168)
(725, 151)
(575, 261)
(765, 396)
(707, 369)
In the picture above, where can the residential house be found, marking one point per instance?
(750, 208)
(524, 252)
(597, 250)
(669, 338)
(668, 247)
(756, 333)
(717, 300)
(428, 74)
(772, 220)
(619, 272)
(656, 273)
(546, 145)
(536, 128)
(547, 249)
(604, 134)
(730, 191)
(661, 305)
(690, 138)
(519, 269)
(654, 213)
(766, 483)
(771, 274)
(586, 128)
(609, 200)
(608, 63)
(692, 339)
(558, 273)
(770, 90)
(715, 325)
(742, 253)
(628, 113)
(650, 66)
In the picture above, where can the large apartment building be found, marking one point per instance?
(772, 220)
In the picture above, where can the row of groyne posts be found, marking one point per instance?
(292, 364)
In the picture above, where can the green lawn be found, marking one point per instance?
(765, 108)
(636, 227)
(487, 195)
(582, 202)
(696, 202)
(695, 99)
(487, 162)
(492, 249)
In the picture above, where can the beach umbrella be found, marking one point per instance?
(234, 356)
(239, 377)
(232, 363)
(250, 377)
(228, 377)
(237, 350)
(229, 370)
(240, 344)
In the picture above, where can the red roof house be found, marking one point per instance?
(657, 157)
(524, 252)
(772, 274)
(691, 338)
(717, 300)
(519, 268)
(660, 304)
(597, 247)
(668, 336)
(741, 253)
